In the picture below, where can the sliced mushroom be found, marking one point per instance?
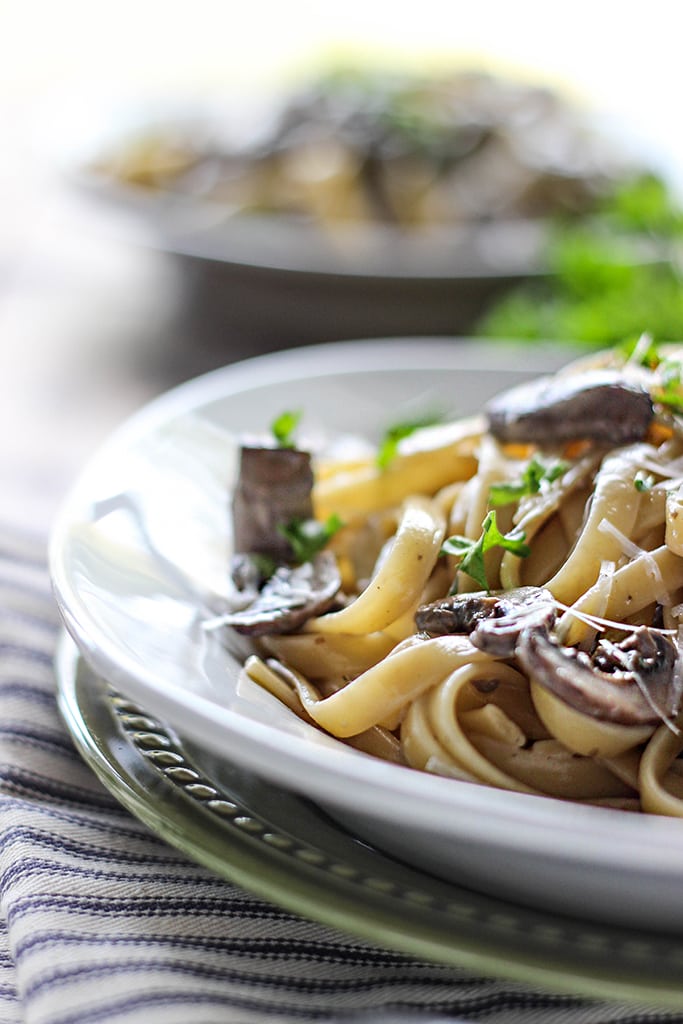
(289, 597)
(274, 487)
(492, 621)
(630, 683)
(247, 574)
(599, 405)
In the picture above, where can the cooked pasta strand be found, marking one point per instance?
(401, 578)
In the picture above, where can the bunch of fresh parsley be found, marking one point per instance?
(610, 277)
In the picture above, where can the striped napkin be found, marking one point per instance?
(102, 923)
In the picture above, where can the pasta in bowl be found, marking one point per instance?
(140, 560)
(499, 601)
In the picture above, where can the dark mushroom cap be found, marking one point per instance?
(598, 405)
(289, 597)
(635, 682)
(492, 621)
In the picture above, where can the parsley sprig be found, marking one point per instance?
(669, 391)
(309, 536)
(643, 351)
(537, 476)
(388, 446)
(283, 428)
(471, 552)
(599, 289)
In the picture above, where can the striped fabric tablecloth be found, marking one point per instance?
(102, 923)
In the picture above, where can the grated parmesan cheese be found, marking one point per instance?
(633, 551)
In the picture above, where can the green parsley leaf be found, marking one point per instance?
(646, 204)
(265, 565)
(283, 427)
(643, 351)
(388, 446)
(643, 481)
(669, 391)
(535, 476)
(471, 552)
(308, 536)
(599, 289)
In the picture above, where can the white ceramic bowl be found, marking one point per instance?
(142, 545)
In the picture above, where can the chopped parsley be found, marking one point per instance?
(600, 289)
(669, 391)
(264, 564)
(388, 446)
(535, 477)
(643, 481)
(644, 351)
(283, 427)
(471, 552)
(308, 536)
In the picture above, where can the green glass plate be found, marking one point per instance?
(284, 849)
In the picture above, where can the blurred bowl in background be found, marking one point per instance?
(361, 205)
(261, 286)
